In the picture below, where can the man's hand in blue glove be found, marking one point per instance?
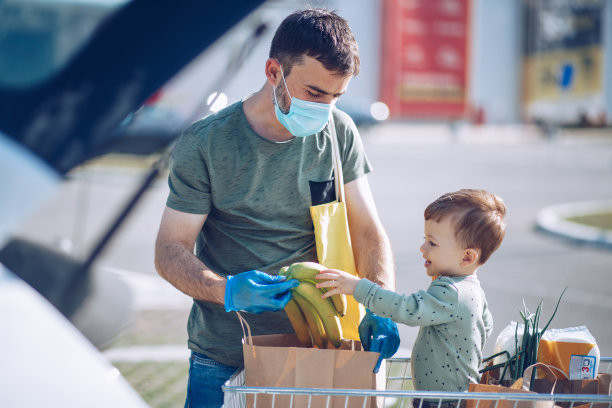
(380, 335)
(256, 292)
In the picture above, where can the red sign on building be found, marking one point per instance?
(425, 59)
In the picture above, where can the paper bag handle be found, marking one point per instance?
(247, 334)
(337, 162)
(549, 369)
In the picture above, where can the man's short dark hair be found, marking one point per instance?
(317, 33)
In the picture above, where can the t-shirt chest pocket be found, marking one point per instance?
(322, 192)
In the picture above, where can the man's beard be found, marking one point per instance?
(282, 99)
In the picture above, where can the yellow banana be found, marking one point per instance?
(306, 271)
(324, 308)
(339, 302)
(315, 324)
(283, 270)
(298, 322)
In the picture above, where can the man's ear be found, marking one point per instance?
(273, 72)
(470, 257)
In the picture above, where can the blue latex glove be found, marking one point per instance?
(256, 292)
(380, 335)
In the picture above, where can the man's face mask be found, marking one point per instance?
(304, 118)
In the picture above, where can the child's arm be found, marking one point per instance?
(436, 305)
(422, 308)
(340, 282)
(487, 318)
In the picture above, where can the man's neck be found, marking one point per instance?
(259, 112)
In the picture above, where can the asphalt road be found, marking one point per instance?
(413, 165)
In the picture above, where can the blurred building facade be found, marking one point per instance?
(503, 61)
(483, 61)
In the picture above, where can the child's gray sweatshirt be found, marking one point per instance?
(454, 323)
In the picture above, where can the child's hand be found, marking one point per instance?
(340, 282)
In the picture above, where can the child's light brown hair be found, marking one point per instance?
(478, 217)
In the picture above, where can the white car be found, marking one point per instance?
(70, 73)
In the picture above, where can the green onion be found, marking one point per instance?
(526, 354)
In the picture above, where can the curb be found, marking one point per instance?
(554, 220)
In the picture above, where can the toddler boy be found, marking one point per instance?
(462, 230)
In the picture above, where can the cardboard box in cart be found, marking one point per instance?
(280, 361)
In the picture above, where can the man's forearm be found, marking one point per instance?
(374, 258)
(188, 274)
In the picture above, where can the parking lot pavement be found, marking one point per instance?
(152, 355)
(151, 352)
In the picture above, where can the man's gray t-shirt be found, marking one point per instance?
(257, 195)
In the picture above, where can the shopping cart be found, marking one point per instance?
(399, 393)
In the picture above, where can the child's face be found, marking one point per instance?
(443, 254)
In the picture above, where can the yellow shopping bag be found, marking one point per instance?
(333, 240)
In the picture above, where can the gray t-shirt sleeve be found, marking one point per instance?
(355, 163)
(188, 193)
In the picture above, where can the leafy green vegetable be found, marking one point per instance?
(526, 353)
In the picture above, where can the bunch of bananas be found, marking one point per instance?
(314, 319)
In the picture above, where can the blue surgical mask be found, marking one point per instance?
(304, 118)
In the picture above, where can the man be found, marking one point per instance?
(241, 184)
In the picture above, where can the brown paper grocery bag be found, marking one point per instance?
(520, 386)
(598, 386)
(562, 385)
(503, 403)
(280, 361)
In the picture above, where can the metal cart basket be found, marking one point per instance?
(398, 393)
